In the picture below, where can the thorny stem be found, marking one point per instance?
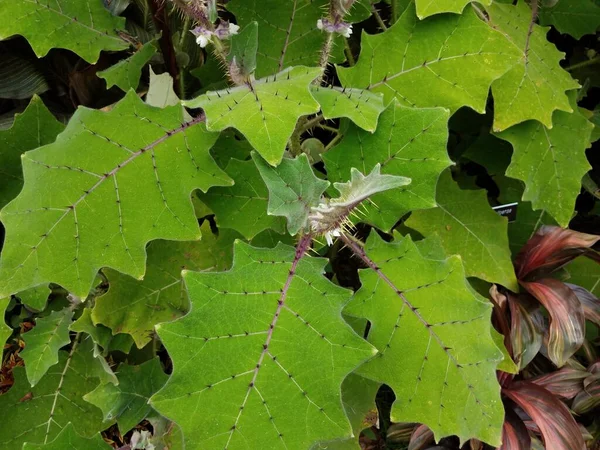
(311, 123)
(534, 14)
(349, 55)
(325, 53)
(334, 141)
(394, 6)
(579, 65)
(378, 17)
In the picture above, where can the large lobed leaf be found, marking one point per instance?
(447, 60)
(427, 8)
(84, 26)
(110, 183)
(68, 438)
(260, 358)
(408, 142)
(126, 74)
(265, 111)
(434, 339)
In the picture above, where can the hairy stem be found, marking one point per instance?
(378, 18)
(579, 65)
(348, 51)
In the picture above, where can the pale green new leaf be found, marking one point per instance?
(270, 351)
(135, 306)
(38, 414)
(551, 162)
(409, 142)
(68, 438)
(430, 7)
(574, 17)
(5, 330)
(126, 74)
(243, 206)
(536, 85)
(469, 227)
(447, 60)
(44, 341)
(360, 106)
(84, 26)
(160, 90)
(112, 182)
(35, 127)
(293, 189)
(127, 402)
(434, 340)
(265, 111)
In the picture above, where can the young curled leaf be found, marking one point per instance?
(552, 417)
(567, 320)
(550, 248)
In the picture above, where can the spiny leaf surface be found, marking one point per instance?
(360, 106)
(293, 189)
(447, 60)
(551, 162)
(574, 17)
(260, 358)
(84, 26)
(38, 414)
(433, 336)
(135, 306)
(110, 183)
(243, 206)
(469, 227)
(35, 127)
(43, 343)
(408, 142)
(68, 438)
(265, 111)
(126, 74)
(127, 402)
(427, 8)
(535, 86)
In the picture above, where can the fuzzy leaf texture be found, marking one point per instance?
(43, 343)
(83, 26)
(161, 295)
(551, 162)
(293, 189)
(408, 142)
(536, 85)
(38, 414)
(265, 111)
(469, 227)
(269, 341)
(68, 438)
(97, 195)
(35, 127)
(447, 60)
(424, 314)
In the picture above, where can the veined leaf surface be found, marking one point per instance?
(427, 8)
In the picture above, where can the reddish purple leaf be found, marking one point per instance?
(421, 438)
(565, 383)
(550, 248)
(589, 398)
(567, 320)
(527, 328)
(556, 424)
(514, 433)
(590, 303)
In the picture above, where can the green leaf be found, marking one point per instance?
(243, 206)
(128, 401)
(584, 272)
(360, 106)
(409, 142)
(43, 343)
(5, 330)
(230, 146)
(574, 17)
(20, 78)
(84, 26)
(126, 73)
(167, 435)
(101, 335)
(447, 60)
(265, 111)
(427, 8)
(536, 86)
(38, 414)
(468, 227)
(525, 225)
(69, 438)
(160, 91)
(97, 195)
(293, 189)
(424, 314)
(35, 297)
(551, 162)
(160, 296)
(242, 54)
(35, 127)
(270, 342)
(507, 364)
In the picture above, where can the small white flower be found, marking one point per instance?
(329, 235)
(233, 28)
(320, 24)
(202, 40)
(347, 31)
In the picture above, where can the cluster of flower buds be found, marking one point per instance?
(224, 31)
(343, 28)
